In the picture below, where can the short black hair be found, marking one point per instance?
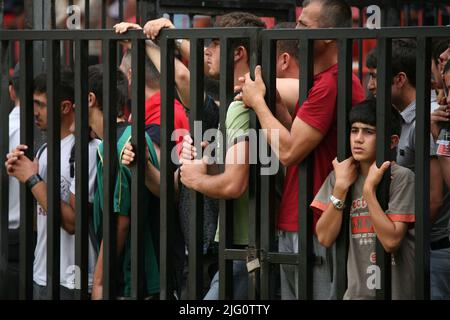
(152, 75)
(240, 19)
(289, 46)
(335, 13)
(366, 112)
(438, 46)
(404, 58)
(371, 60)
(64, 90)
(95, 83)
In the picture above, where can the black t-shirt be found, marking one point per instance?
(210, 120)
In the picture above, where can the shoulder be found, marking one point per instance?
(237, 109)
(401, 174)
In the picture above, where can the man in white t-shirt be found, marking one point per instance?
(34, 174)
(9, 280)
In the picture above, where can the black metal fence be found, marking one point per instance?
(261, 206)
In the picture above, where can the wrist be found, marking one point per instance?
(369, 191)
(340, 191)
(33, 180)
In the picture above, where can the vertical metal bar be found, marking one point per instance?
(360, 48)
(167, 202)
(383, 153)
(305, 215)
(254, 183)
(26, 198)
(104, 16)
(422, 168)
(82, 166)
(2, 12)
(4, 149)
(225, 206)
(268, 182)
(110, 169)
(138, 11)
(87, 11)
(121, 10)
(196, 209)
(191, 20)
(138, 215)
(53, 170)
(344, 104)
(52, 15)
(436, 14)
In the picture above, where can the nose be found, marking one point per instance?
(371, 85)
(444, 56)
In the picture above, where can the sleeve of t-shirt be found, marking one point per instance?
(322, 198)
(401, 196)
(433, 146)
(154, 132)
(237, 122)
(93, 146)
(318, 110)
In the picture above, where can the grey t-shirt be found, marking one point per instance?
(361, 256)
(406, 157)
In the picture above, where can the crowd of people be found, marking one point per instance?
(303, 130)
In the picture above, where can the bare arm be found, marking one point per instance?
(444, 162)
(123, 225)
(388, 232)
(67, 211)
(330, 222)
(294, 145)
(436, 189)
(22, 168)
(230, 184)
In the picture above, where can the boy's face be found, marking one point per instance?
(212, 58)
(363, 139)
(40, 110)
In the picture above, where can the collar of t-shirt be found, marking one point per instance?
(409, 114)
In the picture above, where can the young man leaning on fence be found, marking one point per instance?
(34, 175)
(312, 132)
(358, 177)
(122, 196)
(233, 182)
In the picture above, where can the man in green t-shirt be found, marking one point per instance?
(233, 182)
(122, 194)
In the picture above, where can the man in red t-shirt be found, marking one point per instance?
(313, 131)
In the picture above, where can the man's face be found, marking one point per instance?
(363, 140)
(372, 84)
(212, 56)
(40, 110)
(447, 84)
(444, 57)
(309, 19)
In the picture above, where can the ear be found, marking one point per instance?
(400, 79)
(394, 141)
(240, 53)
(284, 59)
(92, 99)
(66, 107)
(12, 93)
